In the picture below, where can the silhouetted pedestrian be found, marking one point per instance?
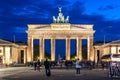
(103, 64)
(47, 68)
(35, 65)
(66, 64)
(38, 65)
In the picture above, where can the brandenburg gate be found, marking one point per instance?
(60, 29)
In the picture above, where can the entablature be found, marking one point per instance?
(63, 32)
(59, 26)
(71, 36)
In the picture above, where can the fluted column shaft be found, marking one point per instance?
(67, 48)
(30, 50)
(79, 48)
(117, 49)
(25, 56)
(53, 49)
(90, 54)
(41, 54)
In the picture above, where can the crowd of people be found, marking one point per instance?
(77, 64)
(65, 64)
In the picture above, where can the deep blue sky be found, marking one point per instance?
(16, 14)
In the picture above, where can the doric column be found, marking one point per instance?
(24, 56)
(90, 54)
(30, 50)
(67, 48)
(53, 49)
(96, 57)
(3, 54)
(41, 49)
(19, 56)
(109, 49)
(117, 49)
(79, 48)
(7, 55)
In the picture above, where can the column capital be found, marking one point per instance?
(29, 37)
(53, 37)
(41, 37)
(90, 37)
(79, 37)
(68, 37)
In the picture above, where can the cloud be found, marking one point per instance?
(23, 11)
(108, 7)
(62, 2)
(20, 29)
(76, 11)
(108, 28)
(16, 14)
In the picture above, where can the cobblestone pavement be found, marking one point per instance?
(57, 74)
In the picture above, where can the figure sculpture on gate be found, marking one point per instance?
(60, 18)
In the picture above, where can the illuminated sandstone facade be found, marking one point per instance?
(12, 53)
(60, 29)
(108, 48)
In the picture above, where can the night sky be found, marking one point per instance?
(16, 14)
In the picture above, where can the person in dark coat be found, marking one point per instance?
(38, 65)
(35, 65)
(103, 64)
(47, 67)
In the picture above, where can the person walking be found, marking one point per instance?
(35, 65)
(103, 65)
(78, 66)
(47, 68)
(38, 65)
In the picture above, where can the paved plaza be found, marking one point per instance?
(27, 73)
